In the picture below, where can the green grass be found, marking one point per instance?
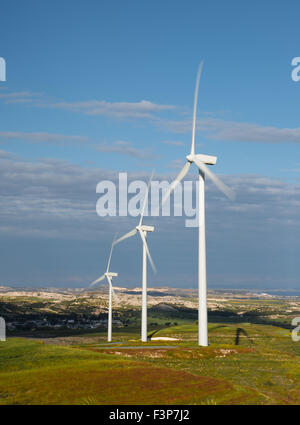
(21, 354)
(36, 373)
(266, 360)
(264, 368)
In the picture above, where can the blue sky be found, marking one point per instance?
(94, 88)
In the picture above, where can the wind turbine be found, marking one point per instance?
(109, 277)
(143, 231)
(201, 162)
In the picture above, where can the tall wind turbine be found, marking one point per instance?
(201, 162)
(109, 277)
(143, 231)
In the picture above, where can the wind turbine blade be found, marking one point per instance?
(145, 200)
(110, 284)
(110, 254)
(147, 250)
(222, 186)
(195, 107)
(97, 280)
(128, 235)
(180, 176)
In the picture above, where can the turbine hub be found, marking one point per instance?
(190, 158)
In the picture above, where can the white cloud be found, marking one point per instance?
(125, 148)
(176, 163)
(142, 109)
(55, 199)
(20, 97)
(213, 128)
(245, 132)
(4, 154)
(40, 137)
(55, 194)
(218, 129)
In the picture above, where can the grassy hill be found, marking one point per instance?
(244, 364)
(251, 358)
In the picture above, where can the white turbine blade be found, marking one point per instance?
(128, 235)
(195, 107)
(145, 199)
(110, 284)
(180, 176)
(222, 186)
(147, 250)
(97, 280)
(110, 254)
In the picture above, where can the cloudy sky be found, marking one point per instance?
(97, 88)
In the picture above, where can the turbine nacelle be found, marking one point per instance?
(145, 228)
(111, 274)
(206, 159)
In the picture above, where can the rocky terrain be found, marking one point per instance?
(32, 309)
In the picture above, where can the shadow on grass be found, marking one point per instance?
(155, 332)
(240, 331)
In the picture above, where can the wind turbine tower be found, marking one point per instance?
(201, 161)
(109, 277)
(143, 232)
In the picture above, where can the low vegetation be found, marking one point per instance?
(251, 358)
